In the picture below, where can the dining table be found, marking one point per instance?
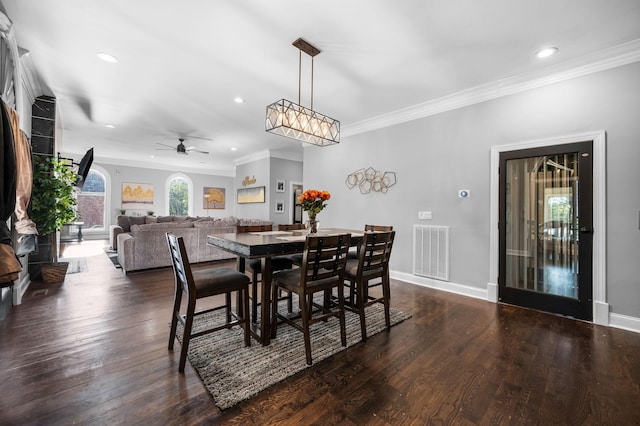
(265, 245)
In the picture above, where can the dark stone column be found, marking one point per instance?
(43, 130)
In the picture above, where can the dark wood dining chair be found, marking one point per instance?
(254, 266)
(372, 264)
(200, 284)
(353, 254)
(322, 270)
(296, 259)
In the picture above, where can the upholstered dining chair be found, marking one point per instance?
(372, 264)
(254, 266)
(296, 259)
(322, 270)
(353, 254)
(200, 284)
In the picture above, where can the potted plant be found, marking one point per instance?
(53, 203)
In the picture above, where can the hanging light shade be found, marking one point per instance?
(294, 121)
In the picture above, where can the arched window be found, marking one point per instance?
(180, 194)
(91, 201)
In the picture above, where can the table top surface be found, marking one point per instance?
(260, 244)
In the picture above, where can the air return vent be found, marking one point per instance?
(431, 251)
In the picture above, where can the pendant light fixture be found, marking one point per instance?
(294, 121)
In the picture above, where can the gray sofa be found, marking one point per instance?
(144, 246)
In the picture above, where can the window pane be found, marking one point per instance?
(178, 197)
(91, 203)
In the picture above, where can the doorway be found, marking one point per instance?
(546, 229)
(296, 191)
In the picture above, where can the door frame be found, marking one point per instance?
(600, 305)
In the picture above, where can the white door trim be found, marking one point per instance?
(600, 305)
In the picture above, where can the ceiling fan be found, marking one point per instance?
(181, 148)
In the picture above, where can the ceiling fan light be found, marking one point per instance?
(546, 52)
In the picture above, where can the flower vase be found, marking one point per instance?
(312, 225)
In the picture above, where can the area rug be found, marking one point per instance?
(113, 257)
(76, 264)
(232, 372)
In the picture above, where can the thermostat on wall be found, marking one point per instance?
(464, 193)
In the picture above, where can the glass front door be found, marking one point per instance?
(545, 229)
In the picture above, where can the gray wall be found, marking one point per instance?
(287, 171)
(435, 156)
(158, 178)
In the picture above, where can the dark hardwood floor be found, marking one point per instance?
(94, 351)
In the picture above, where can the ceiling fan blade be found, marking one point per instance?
(164, 144)
(198, 137)
(201, 152)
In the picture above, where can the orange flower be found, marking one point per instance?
(313, 200)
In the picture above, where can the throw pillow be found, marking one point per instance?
(164, 219)
(150, 219)
(123, 222)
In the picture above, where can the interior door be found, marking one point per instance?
(546, 229)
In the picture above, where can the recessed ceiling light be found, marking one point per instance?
(152, 156)
(238, 100)
(107, 57)
(546, 52)
(234, 148)
(110, 126)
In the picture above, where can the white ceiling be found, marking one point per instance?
(181, 64)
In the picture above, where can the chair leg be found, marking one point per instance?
(306, 312)
(386, 296)
(186, 337)
(227, 301)
(177, 300)
(254, 297)
(244, 295)
(361, 297)
(343, 326)
(274, 310)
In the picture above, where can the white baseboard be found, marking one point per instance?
(601, 310)
(624, 322)
(465, 290)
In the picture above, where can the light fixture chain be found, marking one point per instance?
(299, 73)
(312, 83)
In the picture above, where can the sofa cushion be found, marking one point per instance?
(155, 226)
(150, 219)
(136, 220)
(123, 222)
(164, 219)
(206, 224)
(229, 221)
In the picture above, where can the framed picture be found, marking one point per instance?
(137, 196)
(251, 195)
(213, 198)
(279, 186)
(279, 206)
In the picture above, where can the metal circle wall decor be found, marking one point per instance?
(371, 180)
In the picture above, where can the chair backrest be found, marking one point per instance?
(324, 259)
(375, 251)
(291, 227)
(241, 229)
(379, 228)
(181, 265)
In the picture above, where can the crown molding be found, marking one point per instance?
(266, 153)
(147, 165)
(602, 60)
(260, 155)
